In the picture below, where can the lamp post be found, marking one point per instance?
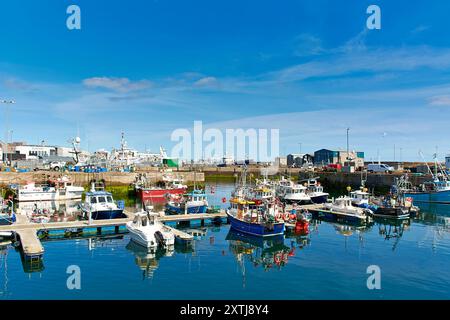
(7, 102)
(11, 140)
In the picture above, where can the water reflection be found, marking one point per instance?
(267, 253)
(50, 211)
(392, 229)
(147, 260)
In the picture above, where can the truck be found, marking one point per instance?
(380, 167)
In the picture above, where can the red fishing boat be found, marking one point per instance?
(160, 191)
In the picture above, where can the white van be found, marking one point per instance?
(379, 167)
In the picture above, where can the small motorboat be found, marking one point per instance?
(148, 231)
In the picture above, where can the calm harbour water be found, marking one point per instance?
(329, 263)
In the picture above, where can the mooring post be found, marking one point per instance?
(202, 222)
(99, 230)
(116, 229)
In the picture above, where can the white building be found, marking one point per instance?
(33, 152)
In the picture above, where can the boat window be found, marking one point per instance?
(109, 199)
(101, 199)
(93, 200)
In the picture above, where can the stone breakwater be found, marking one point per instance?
(83, 179)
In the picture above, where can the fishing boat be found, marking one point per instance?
(315, 191)
(99, 204)
(170, 185)
(148, 231)
(246, 216)
(192, 202)
(342, 207)
(290, 192)
(61, 189)
(393, 207)
(437, 190)
(360, 198)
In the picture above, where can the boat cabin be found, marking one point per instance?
(99, 197)
(343, 201)
(296, 188)
(359, 196)
(263, 193)
(196, 195)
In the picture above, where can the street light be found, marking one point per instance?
(7, 102)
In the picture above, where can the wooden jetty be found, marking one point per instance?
(32, 247)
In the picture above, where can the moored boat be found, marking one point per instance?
(315, 191)
(343, 208)
(99, 205)
(192, 202)
(153, 193)
(61, 189)
(148, 231)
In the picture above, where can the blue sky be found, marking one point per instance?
(309, 68)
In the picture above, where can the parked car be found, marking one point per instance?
(57, 165)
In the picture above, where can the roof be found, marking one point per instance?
(98, 193)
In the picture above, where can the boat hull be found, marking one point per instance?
(430, 197)
(193, 209)
(319, 199)
(108, 214)
(256, 229)
(393, 213)
(23, 196)
(158, 194)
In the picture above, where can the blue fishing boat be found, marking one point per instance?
(437, 190)
(99, 204)
(247, 217)
(192, 202)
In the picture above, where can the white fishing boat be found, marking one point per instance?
(148, 231)
(61, 189)
(315, 191)
(360, 198)
(291, 192)
(343, 207)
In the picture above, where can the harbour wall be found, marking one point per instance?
(83, 179)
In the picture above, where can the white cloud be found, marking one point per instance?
(308, 45)
(366, 60)
(117, 84)
(206, 82)
(441, 101)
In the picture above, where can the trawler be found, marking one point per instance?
(251, 218)
(170, 185)
(437, 190)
